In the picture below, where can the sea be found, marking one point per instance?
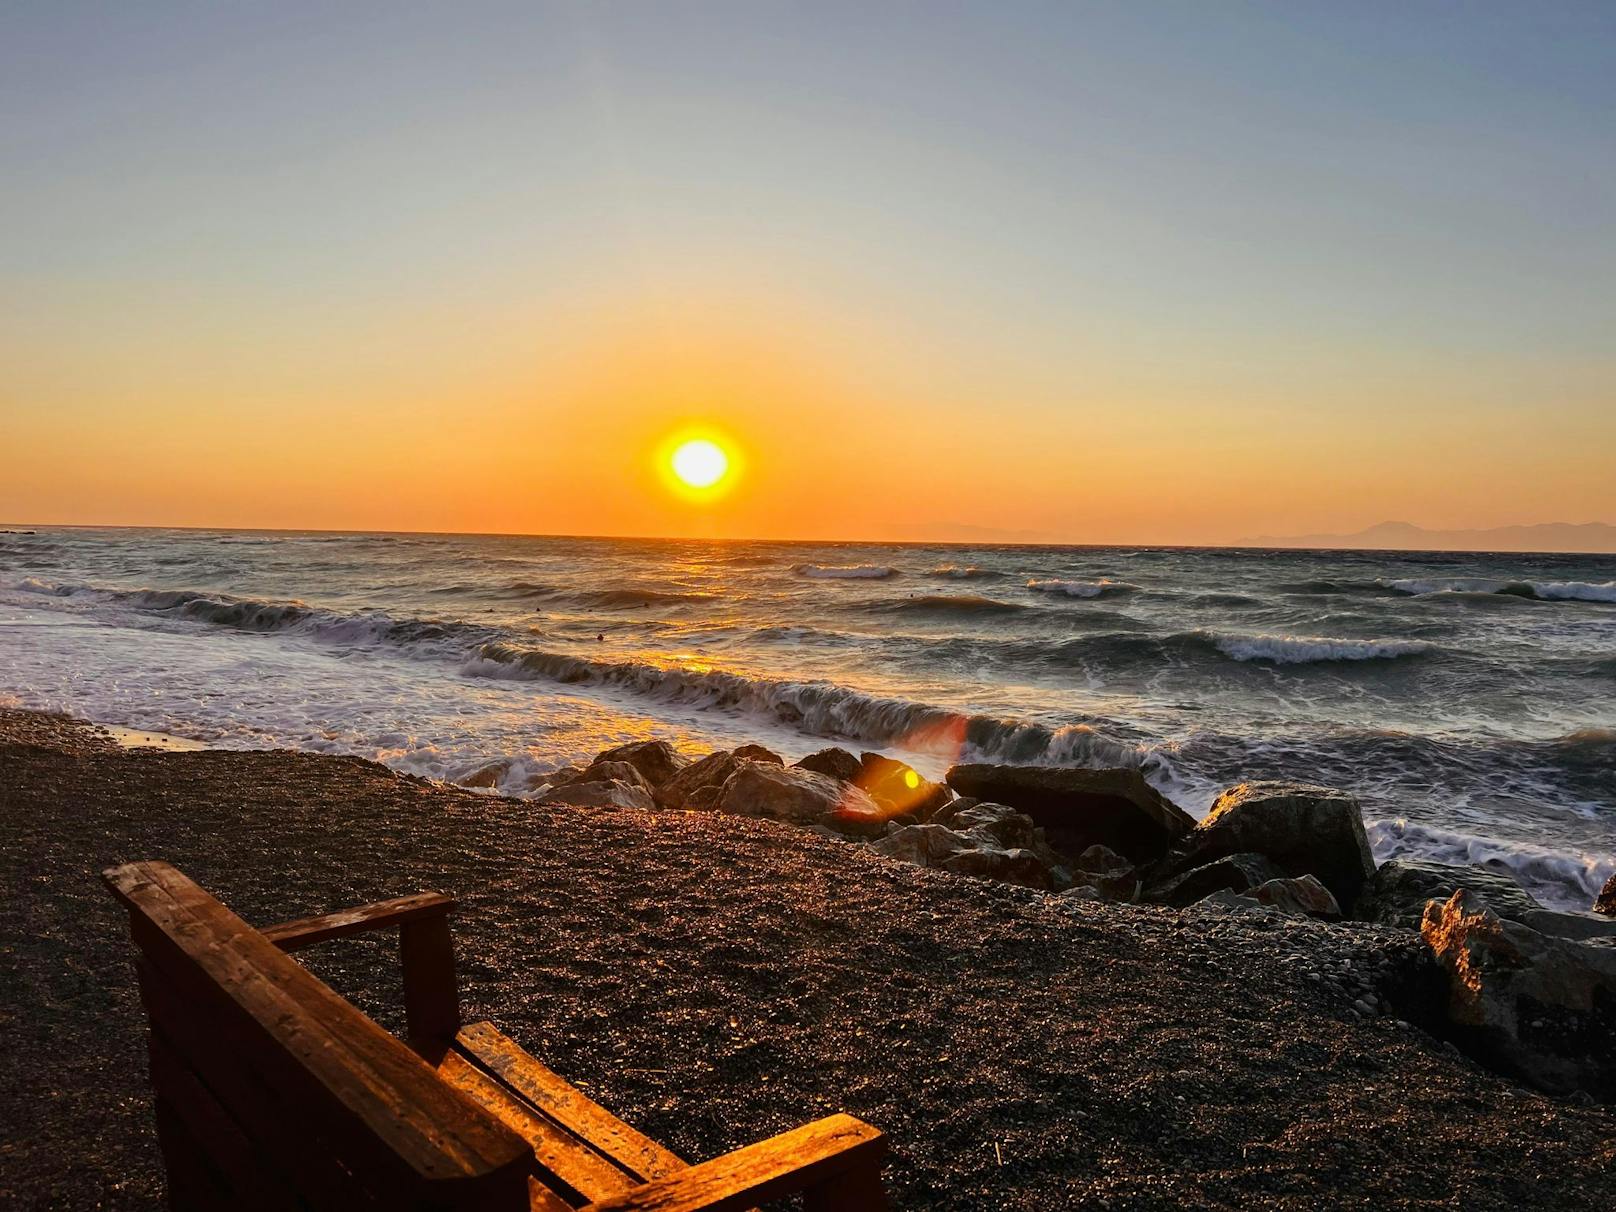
(1468, 700)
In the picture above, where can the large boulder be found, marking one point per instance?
(1016, 866)
(1398, 892)
(1605, 902)
(606, 793)
(758, 753)
(1401, 888)
(834, 763)
(1237, 873)
(657, 761)
(614, 772)
(1305, 830)
(710, 771)
(995, 825)
(799, 796)
(1541, 1008)
(989, 841)
(1082, 808)
(923, 845)
(1302, 894)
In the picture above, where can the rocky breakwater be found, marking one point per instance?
(1524, 989)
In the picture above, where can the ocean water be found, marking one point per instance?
(1470, 701)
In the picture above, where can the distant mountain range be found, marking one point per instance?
(1587, 537)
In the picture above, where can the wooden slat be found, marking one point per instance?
(286, 1132)
(363, 1081)
(306, 931)
(585, 1174)
(431, 1001)
(635, 1152)
(542, 1199)
(254, 1182)
(824, 1151)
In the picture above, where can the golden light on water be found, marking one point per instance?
(700, 463)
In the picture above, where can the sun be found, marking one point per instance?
(700, 463)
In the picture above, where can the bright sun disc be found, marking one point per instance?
(700, 463)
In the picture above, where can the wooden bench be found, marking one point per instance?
(275, 1092)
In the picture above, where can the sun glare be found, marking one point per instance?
(700, 463)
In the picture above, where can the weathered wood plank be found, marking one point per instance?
(569, 1166)
(571, 1108)
(372, 1086)
(306, 931)
(431, 1001)
(800, 1160)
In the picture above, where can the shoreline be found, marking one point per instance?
(709, 977)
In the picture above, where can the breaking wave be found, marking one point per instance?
(1543, 591)
(1565, 879)
(1081, 589)
(828, 710)
(1307, 650)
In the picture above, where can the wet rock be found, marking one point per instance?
(996, 825)
(1541, 1008)
(657, 761)
(563, 775)
(757, 753)
(834, 763)
(1605, 902)
(606, 793)
(799, 796)
(962, 803)
(923, 845)
(1302, 894)
(1235, 872)
(1305, 830)
(1081, 808)
(1398, 892)
(615, 772)
(710, 771)
(1569, 925)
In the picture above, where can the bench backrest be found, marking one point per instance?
(273, 1091)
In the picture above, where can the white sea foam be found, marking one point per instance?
(1576, 591)
(1547, 591)
(1305, 650)
(1081, 589)
(1560, 879)
(838, 572)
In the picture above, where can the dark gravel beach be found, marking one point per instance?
(714, 980)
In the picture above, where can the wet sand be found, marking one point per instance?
(717, 979)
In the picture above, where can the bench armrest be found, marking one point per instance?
(835, 1160)
(426, 953)
(306, 931)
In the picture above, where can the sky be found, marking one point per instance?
(1090, 272)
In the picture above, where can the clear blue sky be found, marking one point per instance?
(1325, 219)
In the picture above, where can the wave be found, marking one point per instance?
(956, 572)
(1563, 879)
(1307, 650)
(951, 604)
(834, 572)
(825, 709)
(1543, 591)
(1081, 589)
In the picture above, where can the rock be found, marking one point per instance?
(1235, 872)
(1305, 830)
(710, 771)
(898, 788)
(1541, 1008)
(607, 793)
(562, 776)
(490, 775)
(836, 763)
(657, 761)
(615, 772)
(757, 753)
(799, 796)
(996, 825)
(1226, 901)
(1398, 893)
(957, 805)
(1016, 866)
(1081, 808)
(1302, 894)
(1107, 872)
(704, 799)
(1569, 925)
(923, 845)
(1605, 902)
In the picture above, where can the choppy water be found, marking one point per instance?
(1470, 700)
